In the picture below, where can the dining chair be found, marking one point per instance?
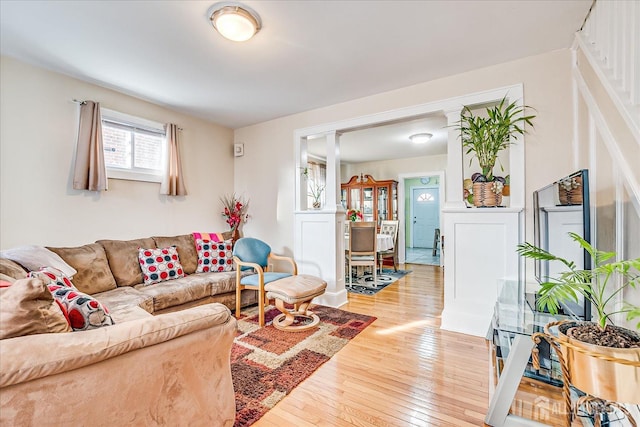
(250, 253)
(362, 247)
(389, 227)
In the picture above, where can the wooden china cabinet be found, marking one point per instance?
(377, 200)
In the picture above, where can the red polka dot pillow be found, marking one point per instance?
(214, 256)
(52, 276)
(160, 264)
(81, 310)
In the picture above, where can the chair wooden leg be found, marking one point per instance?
(261, 308)
(375, 275)
(238, 300)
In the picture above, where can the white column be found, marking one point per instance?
(319, 234)
(333, 171)
(301, 182)
(454, 173)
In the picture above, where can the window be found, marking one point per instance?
(134, 148)
(426, 197)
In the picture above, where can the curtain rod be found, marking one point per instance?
(77, 101)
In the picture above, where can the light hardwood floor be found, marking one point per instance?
(402, 370)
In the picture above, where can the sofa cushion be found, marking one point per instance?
(12, 269)
(91, 262)
(27, 307)
(33, 257)
(177, 291)
(214, 256)
(123, 259)
(82, 310)
(120, 298)
(186, 250)
(159, 264)
(129, 313)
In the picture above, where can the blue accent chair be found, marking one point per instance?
(250, 253)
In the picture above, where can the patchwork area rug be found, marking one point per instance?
(364, 284)
(266, 363)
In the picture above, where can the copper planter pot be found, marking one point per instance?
(596, 372)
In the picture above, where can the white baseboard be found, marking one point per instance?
(465, 323)
(332, 299)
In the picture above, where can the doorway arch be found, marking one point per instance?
(318, 233)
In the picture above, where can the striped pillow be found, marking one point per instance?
(212, 237)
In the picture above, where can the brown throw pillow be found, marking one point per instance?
(27, 307)
(12, 269)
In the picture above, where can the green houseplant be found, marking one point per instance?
(593, 285)
(485, 138)
(593, 350)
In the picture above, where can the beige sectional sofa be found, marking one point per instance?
(166, 361)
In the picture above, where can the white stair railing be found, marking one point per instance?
(610, 38)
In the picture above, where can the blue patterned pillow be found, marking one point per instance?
(214, 256)
(160, 264)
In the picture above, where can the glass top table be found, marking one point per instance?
(515, 311)
(515, 320)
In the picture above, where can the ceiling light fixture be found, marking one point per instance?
(420, 138)
(235, 21)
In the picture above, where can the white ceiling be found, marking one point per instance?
(308, 54)
(387, 142)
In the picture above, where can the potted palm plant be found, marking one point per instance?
(595, 349)
(485, 138)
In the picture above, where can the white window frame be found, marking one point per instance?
(136, 174)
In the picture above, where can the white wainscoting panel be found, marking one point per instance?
(319, 251)
(480, 252)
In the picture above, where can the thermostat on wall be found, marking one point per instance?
(238, 150)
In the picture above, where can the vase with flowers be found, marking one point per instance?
(315, 192)
(354, 215)
(235, 212)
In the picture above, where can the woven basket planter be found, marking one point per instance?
(483, 195)
(571, 197)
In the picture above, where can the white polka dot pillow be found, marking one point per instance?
(160, 264)
(214, 256)
(82, 311)
(52, 276)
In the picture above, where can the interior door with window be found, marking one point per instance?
(425, 206)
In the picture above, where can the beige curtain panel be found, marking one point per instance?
(173, 182)
(90, 172)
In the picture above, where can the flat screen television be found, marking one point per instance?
(560, 208)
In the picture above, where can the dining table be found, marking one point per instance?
(384, 242)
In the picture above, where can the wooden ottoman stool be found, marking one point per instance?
(297, 290)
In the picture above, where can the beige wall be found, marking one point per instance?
(37, 204)
(390, 169)
(267, 174)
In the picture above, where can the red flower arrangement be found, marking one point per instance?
(235, 210)
(354, 215)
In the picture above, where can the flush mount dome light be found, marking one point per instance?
(420, 138)
(235, 21)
